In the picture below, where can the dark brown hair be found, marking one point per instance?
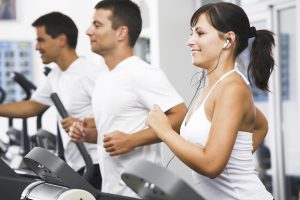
(226, 17)
(56, 24)
(124, 13)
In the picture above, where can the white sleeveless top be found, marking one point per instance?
(239, 180)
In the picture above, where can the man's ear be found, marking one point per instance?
(122, 33)
(63, 40)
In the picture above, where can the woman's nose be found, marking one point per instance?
(190, 42)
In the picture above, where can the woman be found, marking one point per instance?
(223, 127)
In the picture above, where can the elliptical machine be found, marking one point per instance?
(58, 180)
(42, 138)
(86, 157)
(19, 139)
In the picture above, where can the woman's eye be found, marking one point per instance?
(199, 33)
(196, 31)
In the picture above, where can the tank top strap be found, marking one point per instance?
(242, 75)
(218, 81)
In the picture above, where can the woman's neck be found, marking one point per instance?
(216, 73)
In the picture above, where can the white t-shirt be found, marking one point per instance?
(121, 101)
(74, 87)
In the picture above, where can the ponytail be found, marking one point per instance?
(261, 59)
(226, 17)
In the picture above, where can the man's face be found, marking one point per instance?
(48, 47)
(102, 37)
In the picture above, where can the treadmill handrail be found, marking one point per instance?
(85, 155)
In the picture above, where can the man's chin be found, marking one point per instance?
(46, 62)
(95, 51)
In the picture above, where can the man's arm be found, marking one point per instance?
(22, 109)
(118, 142)
(147, 136)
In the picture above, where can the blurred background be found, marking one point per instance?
(163, 43)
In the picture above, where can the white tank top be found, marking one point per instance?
(239, 180)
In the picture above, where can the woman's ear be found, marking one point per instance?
(230, 39)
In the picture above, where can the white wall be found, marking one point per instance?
(175, 59)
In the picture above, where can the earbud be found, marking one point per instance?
(227, 42)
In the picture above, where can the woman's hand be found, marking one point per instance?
(159, 122)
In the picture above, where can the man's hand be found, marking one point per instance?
(66, 123)
(117, 142)
(83, 131)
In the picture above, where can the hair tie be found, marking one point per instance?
(252, 32)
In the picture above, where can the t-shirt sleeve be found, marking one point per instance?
(153, 87)
(42, 94)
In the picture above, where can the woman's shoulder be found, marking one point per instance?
(234, 87)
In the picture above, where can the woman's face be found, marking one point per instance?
(205, 43)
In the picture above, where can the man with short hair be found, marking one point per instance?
(56, 41)
(124, 95)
